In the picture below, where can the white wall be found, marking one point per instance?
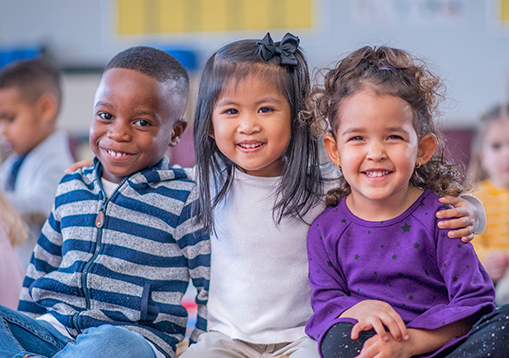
(468, 49)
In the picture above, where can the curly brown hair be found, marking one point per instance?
(394, 72)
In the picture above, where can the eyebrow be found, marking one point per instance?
(226, 102)
(360, 130)
(138, 112)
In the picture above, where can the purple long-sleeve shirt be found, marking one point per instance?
(429, 279)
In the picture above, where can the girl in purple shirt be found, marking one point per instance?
(386, 282)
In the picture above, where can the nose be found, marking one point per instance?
(376, 151)
(248, 124)
(119, 131)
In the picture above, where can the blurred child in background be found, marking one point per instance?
(490, 170)
(12, 233)
(30, 98)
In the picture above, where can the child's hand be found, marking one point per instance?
(496, 265)
(80, 164)
(379, 348)
(465, 215)
(375, 314)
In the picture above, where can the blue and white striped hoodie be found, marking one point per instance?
(124, 260)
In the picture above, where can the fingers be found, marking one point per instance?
(397, 328)
(451, 200)
(467, 231)
(372, 323)
(466, 234)
(393, 322)
(78, 165)
(368, 348)
(464, 226)
(453, 213)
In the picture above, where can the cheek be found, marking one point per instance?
(222, 134)
(94, 133)
(489, 160)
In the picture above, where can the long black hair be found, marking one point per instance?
(301, 183)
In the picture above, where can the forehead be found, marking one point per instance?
(368, 108)
(240, 85)
(133, 90)
(130, 82)
(498, 130)
(10, 95)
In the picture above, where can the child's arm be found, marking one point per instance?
(46, 258)
(195, 244)
(420, 341)
(467, 216)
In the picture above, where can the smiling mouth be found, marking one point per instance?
(250, 146)
(376, 174)
(115, 154)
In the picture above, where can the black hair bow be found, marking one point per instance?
(285, 49)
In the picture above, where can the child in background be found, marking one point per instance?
(30, 98)
(115, 257)
(376, 257)
(260, 187)
(12, 233)
(489, 169)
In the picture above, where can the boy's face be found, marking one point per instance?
(135, 120)
(19, 121)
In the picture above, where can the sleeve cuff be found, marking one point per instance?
(480, 223)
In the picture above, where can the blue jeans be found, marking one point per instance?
(21, 335)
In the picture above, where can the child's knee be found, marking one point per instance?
(337, 342)
(116, 336)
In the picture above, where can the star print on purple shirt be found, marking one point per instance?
(408, 262)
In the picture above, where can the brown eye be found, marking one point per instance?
(142, 123)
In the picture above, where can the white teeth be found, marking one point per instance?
(250, 145)
(376, 174)
(115, 154)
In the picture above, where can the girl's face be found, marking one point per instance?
(252, 126)
(376, 146)
(495, 152)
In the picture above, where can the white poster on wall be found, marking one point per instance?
(408, 12)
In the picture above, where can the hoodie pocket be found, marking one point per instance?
(149, 310)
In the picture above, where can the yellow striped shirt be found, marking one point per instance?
(496, 205)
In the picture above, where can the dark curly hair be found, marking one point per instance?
(394, 72)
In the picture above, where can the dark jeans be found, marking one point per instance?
(489, 337)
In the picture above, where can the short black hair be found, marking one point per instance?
(33, 77)
(154, 63)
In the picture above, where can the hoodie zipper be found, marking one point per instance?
(99, 223)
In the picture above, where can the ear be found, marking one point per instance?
(47, 107)
(211, 132)
(178, 129)
(332, 150)
(427, 146)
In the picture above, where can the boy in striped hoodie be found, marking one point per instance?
(116, 255)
